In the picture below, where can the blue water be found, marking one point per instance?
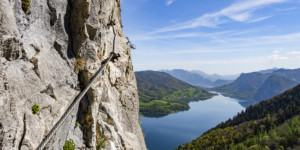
(169, 132)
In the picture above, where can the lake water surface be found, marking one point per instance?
(169, 132)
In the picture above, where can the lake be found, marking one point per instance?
(169, 132)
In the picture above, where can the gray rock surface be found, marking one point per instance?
(47, 56)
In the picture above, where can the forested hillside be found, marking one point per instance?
(271, 124)
(272, 86)
(161, 94)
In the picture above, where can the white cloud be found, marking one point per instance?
(170, 36)
(228, 37)
(209, 50)
(286, 9)
(294, 53)
(249, 60)
(260, 19)
(213, 35)
(241, 11)
(265, 40)
(276, 57)
(169, 2)
(293, 37)
(277, 51)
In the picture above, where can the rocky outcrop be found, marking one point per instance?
(49, 49)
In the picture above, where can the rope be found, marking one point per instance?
(75, 103)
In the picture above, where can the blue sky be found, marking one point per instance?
(215, 36)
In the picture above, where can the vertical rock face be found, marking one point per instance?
(48, 53)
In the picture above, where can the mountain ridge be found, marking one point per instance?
(199, 78)
(189, 77)
(258, 86)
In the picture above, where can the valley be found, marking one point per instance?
(168, 132)
(173, 111)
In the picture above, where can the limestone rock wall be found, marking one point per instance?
(48, 53)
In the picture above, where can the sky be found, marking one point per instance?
(214, 36)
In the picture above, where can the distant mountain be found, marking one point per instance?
(271, 124)
(199, 78)
(244, 87)
(161, 94)
(189, 77)
(268, 71)
(214, 77)
(258, 86)
(220, 82)
(273, 86)
(293, 74)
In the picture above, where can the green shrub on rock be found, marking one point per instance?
(69, 145)
(76, 123)
(35, 109)
(25, 6)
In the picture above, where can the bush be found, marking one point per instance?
(35, 108)
(25, 6)
(76, 123)
(127, 69)
(101, 144)
(69, 145)
(100, 138)
(109, 121)
(104, 50)
(79, 64)
(87, 120)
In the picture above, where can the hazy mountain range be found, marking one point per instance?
(189, 77)
(261, 85)
(214, 77)
(202, 79)
(254, 86)
(221, 82)
(268, 70)
(199, 78)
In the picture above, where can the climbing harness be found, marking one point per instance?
(73, 105)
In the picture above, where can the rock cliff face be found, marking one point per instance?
(49, 49)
